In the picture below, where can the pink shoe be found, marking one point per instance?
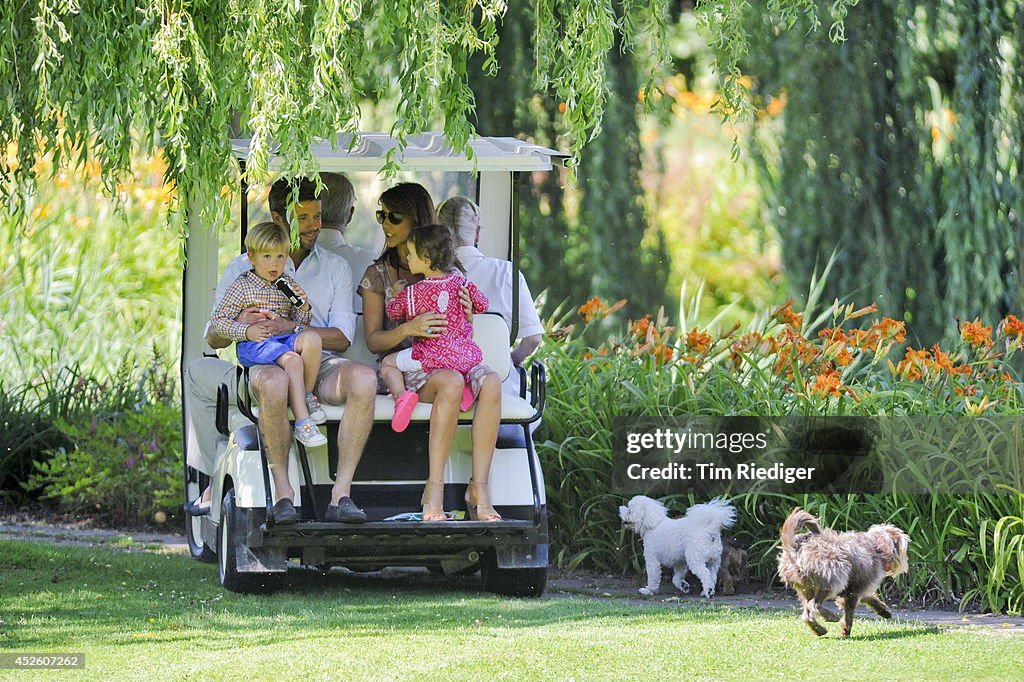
(467, 398)
(404, 405)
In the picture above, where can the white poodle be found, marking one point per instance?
(692, 543)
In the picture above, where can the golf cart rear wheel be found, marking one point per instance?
(232, 519)
(199, 550)
(514, 582)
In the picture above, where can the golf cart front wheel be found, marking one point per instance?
(232, 520)
(513, 582)
(199, 550)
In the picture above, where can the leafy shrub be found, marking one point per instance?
(783, 363)
(122, 468)
(123, 454)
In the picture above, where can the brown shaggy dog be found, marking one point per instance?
(822, 564)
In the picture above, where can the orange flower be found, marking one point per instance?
(970, 390)
(640, 328)
(1013, 327)
(826, 384)
(912, 365)
(592, 308)
(698, 341)
(746, 343)
(786, 315)
(942, 361)
(836, 334)
(890, 329)
(976, 334)
(662, 354)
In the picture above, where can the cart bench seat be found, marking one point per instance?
(490, 332)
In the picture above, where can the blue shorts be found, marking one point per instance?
(264, 352)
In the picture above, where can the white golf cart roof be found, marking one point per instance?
(423, 152)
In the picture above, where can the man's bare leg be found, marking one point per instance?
(355, 386)
(271, 386)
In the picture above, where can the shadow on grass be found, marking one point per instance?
(907, 630)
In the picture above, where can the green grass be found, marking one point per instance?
(161, 616)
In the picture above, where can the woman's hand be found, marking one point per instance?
(467, 302)
(427, 325)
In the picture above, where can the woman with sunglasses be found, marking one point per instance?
(402, 208)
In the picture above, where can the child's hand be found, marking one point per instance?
(259, 331)
(300, 292)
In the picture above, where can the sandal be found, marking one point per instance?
(433, 502)
(404, 405)
(478, 506)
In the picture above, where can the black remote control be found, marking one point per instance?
(282, 284)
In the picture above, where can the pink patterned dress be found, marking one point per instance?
(455, 349)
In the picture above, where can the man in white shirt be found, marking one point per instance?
(493, 276)
(338, 206)
(327, 280)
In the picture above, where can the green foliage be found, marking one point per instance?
(90, 282)
(905, 156)
(124, 461)
(80, 81)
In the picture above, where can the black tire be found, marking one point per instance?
(199, 550)
(512, 582)
(231, 520)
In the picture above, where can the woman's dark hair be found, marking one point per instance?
(436, 245)
(408, 199)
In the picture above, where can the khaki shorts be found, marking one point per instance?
(328, 365)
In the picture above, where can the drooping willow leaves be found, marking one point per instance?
(905, 157)
(91, 79)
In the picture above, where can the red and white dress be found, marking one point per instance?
(455, 349)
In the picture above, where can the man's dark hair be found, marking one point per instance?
(436, 245)
(281, 190)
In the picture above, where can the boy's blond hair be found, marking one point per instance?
(268, 236)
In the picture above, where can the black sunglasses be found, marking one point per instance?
(393, 218)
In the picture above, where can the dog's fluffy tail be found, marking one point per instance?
(715, 514)
(796, 520)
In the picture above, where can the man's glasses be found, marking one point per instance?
(393, 218)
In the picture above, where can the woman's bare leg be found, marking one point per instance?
(485, 435)
(444, 390)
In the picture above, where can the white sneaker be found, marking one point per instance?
(316, 412)
(310, 436)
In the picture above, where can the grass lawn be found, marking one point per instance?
(159, 616)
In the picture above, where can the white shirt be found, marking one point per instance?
(358, 259)
(493, 276)
(327, 279)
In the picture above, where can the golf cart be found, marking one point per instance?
(252, 552)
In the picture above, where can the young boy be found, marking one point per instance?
(432, 254)
(298, 353)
